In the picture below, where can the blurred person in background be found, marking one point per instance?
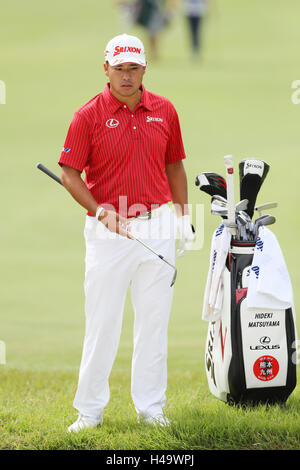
(153, 15)
(195, 11)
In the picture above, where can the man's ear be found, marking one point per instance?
(105, 66)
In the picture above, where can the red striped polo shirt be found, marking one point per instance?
(124, 153)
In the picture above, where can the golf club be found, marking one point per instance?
(222, 202)
(212, 183)
(41, 167)
(248, 226)
(219, 208)
(263, 207)
(221, 211)
(231, 223)
(242, 226)
(263, 220)
(252, 174)
(241, 205)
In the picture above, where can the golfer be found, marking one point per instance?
(128, 142)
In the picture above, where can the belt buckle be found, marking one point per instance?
(145, 216)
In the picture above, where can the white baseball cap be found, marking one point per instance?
(125, 48)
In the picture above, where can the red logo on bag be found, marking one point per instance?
(266, 368)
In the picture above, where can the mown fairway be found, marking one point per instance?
(236, 100)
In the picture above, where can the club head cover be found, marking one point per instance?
(252, 174)
(212, 184)
(249, 189)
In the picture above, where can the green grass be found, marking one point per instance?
(236, 99)
(36, 411)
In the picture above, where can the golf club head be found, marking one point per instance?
(241, 205)
(212, 184)
(219, 207)
(262, 221)
(241, 218)
(269, 220)
(220, 200)
(246, 215)
(174, 277)
(216, 205)
(221, 211)
(252, 174)
(262, 217)
(267, 205)
(242, 225)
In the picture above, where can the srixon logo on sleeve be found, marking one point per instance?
(254, 167)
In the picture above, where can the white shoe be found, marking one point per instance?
(159, 420)
(83, 422)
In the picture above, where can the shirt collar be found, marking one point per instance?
(115, 104)
(145, 100)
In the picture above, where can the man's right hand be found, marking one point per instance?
(115, 223)
(72, 181)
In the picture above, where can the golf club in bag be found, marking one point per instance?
(250, 353)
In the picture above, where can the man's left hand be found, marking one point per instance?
(186, 235)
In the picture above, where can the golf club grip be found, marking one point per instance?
(228, 160)
(41, 167)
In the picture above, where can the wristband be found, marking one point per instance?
(99, 212)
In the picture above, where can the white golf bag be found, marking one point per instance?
(250, 354)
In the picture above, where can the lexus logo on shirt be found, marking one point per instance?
(112, 123)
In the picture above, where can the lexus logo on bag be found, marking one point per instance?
(265, 344)
(111, 123)
(265, 340)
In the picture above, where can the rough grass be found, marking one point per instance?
(36, 408)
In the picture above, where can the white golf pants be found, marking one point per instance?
(114, 263)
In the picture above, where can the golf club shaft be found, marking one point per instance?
(230, 193)
(41, 167)
(154, 252)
